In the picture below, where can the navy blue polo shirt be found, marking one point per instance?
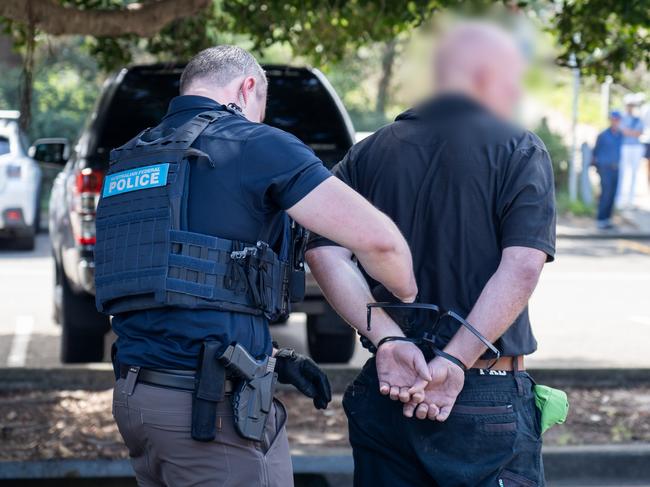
(261, 171)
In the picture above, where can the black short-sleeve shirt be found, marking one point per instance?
(461, 185)
(261, 171)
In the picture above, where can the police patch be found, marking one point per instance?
(136, 179)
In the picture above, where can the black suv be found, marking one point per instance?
(301, 101)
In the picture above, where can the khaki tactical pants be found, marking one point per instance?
(155, 425)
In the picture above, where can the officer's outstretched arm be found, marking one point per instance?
(337, 212)
(401, 368)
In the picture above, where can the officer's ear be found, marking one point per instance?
(247, 90)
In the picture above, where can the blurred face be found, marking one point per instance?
(614, 123)
(501, 87)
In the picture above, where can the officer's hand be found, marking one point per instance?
(402, 371)
(303, 373)
(441, 392)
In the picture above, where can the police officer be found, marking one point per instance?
(474, 197)
(195, 254)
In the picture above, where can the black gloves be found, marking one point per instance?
(303, 373)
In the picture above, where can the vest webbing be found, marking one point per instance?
(145, 257)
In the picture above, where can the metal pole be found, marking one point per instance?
(605, 97)
(573, 173)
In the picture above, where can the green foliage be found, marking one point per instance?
(558, 151)
(66, 84)
(604, 35)
(565, 206)
(324, 30)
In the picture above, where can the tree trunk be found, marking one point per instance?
(26, 78)
(387, 63)
(143, 19)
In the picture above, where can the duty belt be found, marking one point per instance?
(184, 380)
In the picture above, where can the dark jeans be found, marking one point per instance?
(491, 438)
(608, 184)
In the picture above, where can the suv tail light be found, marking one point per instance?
(86, 191)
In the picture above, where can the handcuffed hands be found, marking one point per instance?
(428, 390)
(402, 371)
(303, 373)
(447, 380)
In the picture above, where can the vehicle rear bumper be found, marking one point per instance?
(13, 224)
(17, 197)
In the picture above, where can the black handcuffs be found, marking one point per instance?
(429, 338)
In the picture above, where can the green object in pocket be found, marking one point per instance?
(553, 404)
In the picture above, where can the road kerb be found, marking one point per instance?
(614, 464)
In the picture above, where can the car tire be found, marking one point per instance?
(58, 293)
(38, 211)
(329, 338)
(82, 327)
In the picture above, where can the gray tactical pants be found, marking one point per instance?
(155, 425)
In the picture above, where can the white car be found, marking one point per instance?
(20, 184)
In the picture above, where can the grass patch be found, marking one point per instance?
(576, 208)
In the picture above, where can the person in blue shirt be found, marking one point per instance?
(242, 179)
(606, 158)
(632, 151)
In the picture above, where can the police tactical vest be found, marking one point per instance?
(146, 258)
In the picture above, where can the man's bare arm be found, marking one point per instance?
(399, 364)
(346, 289)
(503, 298)
(337, 212)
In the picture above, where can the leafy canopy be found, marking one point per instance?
(604, 35)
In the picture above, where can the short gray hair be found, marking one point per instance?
(220, 65)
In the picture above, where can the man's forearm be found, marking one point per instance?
(347, 291)
(503, 298)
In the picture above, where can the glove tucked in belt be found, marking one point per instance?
(303, 373)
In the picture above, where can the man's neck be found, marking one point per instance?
(219, 96)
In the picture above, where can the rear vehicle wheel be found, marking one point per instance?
(82, 327)
(58, 292)
(330, 338)
(38, 212)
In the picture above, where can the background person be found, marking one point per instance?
(606, 157)
(474, 197)
(632, 151)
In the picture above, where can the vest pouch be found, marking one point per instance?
(297, 286)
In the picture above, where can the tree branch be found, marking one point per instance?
(142, 19)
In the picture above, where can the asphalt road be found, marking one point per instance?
(591, 308)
